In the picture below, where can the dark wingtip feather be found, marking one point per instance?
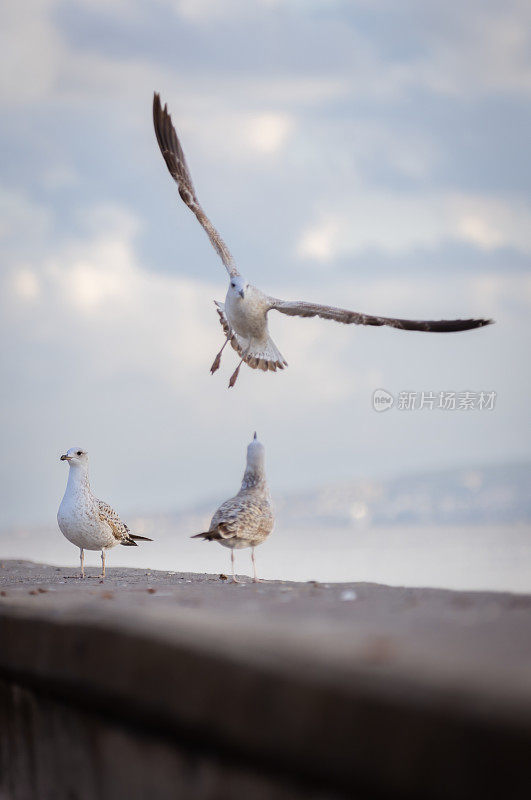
(470, 324)
(439, 326)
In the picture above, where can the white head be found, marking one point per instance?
(76, 457)
(238, 286)
(255, 455)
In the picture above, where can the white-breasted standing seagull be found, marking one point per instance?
(244, 313)
(246, 520)
(84, 520)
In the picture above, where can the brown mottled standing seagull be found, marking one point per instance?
(84, 520)
(245, 520)
(243, 316)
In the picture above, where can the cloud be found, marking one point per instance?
(32, 49)
(210, 12)
(319, 242)
(93, 290)
(90, 289)
(452, 49)
(25, 285)
(491, 53)
(19, 213)
(395, 223)
(267, 132)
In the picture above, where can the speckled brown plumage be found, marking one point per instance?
(247, 519)
(87, 522)
(119, 529)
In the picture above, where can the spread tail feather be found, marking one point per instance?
(264, 357)
(214, 534)
(206, 535)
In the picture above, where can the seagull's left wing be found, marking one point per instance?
(119, 529)
(301, 309)
(172, 151)
(107, 514)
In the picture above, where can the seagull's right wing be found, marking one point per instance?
(172, 151)
(301, 309)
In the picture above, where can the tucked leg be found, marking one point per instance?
(82, 561)
(217, 360)
(103, 563)
(256, 579)
(234, 376)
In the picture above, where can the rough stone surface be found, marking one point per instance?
(355, 689)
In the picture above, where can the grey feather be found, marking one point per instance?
(173, 154)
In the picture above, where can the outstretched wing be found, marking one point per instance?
(172, 151)
(301, 309)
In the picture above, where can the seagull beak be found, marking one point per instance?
(64, 458)
(241, 293)
(255, 436)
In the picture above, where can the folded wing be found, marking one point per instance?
(119, 529)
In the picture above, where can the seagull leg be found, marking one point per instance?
(82, 561)
(103, 564)
(234, 578)
(234, 376)
(217, 360)
(256, 579)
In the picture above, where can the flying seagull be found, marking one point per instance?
(245, 520)
(243, 316)
(84, 520)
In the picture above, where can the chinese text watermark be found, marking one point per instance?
(382, 400)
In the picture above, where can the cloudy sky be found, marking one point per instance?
(373, 155)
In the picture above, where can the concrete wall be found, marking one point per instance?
(52, 749)
(98, 703)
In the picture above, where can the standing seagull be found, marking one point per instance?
(84, 520)
(243, 316)
(245, 520)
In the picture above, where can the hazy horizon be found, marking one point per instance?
(461, 529)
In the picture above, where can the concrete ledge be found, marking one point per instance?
(300, 706)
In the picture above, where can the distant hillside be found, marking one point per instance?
(476, 495)
(464, 496)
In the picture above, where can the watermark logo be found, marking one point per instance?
(382, 400)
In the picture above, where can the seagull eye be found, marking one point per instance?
(80, 452)
(233, 285)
